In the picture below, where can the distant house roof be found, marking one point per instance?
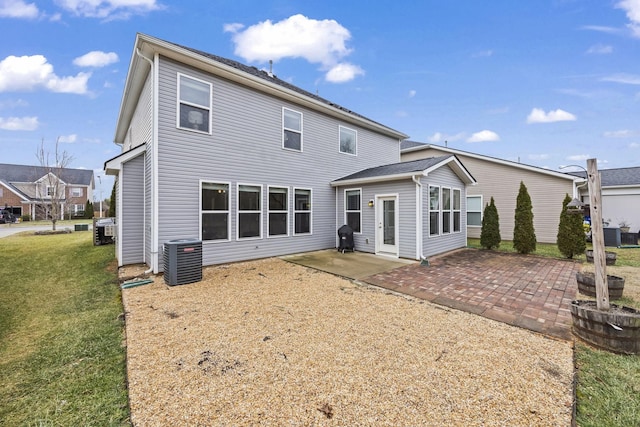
(616, 177)
(16, 176)
(232, 70)
(404, 170)
(408, 146)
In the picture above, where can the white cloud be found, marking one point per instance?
(634, 145)
(96, 58)
(19, 123)
(602, 29)
(624, 78)
(232, 28)
(412, 93)
(18, 9)
(538, 115)
(109, 9)
(484, 136)
(483, 54)
(625, 133)
(319, 42)
(600, 49)
(579, 157)
(27, 73)
(68, 139)
(441, 137)
(632, 9)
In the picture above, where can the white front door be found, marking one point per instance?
(386, 223)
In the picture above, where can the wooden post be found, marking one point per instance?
(597, 235)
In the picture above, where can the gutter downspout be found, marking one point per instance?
(419, 248)
(154, 169)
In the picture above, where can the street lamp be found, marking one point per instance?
(100, 179)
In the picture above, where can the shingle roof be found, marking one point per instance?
(395, 168)
(615, 177)
(23, 173)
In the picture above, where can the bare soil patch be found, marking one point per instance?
(269, 342)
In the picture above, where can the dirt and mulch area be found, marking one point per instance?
(273, 343)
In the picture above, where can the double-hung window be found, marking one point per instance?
(214, 211)
(474, 211)
(456, 210)
(278, 211)
(348, 140)
(249, 211)
(434, 211)
(76, 192)
(194, 104)
(446, 210)
(353, 209)
(291, 130)
(302, 211)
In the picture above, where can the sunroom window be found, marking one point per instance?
(194, 104)
(446, 210)
(456, 211)
(434, 211)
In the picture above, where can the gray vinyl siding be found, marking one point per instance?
(131, 223)
(141, 129)
(365, 241)
(433, 245)
(246, 148)
(502, 182)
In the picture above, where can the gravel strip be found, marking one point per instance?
(272, 343)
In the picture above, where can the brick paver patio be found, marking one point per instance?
(523, 290)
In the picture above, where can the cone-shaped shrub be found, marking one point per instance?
(490, 233)
(571, 240)
(524, 235)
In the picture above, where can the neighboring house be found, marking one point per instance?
(501, 179)
(28, 190)
(245, 162)
(620, 196)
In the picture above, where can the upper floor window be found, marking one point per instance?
(434, 211)
(474, 211)
(214, 210)
(291, 129)
(76, 192)
(51, 191)
(348, 140)
(194, 104)
(353, 209)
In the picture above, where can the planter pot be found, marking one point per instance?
(617, 330)
(624, 229)
(610, 257)
(587, 285)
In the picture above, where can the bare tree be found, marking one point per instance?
(51, 190)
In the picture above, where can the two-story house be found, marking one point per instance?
(31, 190)
(255, 167)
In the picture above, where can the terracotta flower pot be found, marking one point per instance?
(587, 285)
(610, 257)
(616, 330)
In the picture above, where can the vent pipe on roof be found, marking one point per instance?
(270, 68)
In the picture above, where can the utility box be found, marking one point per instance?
(182, 261)
(612, 236)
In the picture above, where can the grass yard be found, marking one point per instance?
(608, 389)
(62, 360)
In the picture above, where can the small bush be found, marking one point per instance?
(524, 235)
(571, 239)
(25, 217)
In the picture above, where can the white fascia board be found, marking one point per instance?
(374, 179)
(150, 45)
(8, 187)
(457, 168)
(113, 166)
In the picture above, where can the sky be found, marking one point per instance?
(548, 83)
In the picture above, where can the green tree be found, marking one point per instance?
(112, 202)
(524, 235)
(88, 210)
(571, 240)
(490, 233)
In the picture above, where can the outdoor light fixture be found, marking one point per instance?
(371, 203)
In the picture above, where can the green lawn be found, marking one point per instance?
(62, 359)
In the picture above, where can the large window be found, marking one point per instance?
(353, 209)
(348, 140)
(291, 129)
(214, 211)
(434, 210)
(302, 211)
(278, 211)
(474, 211)
(249, 211)
(194, 104)
(446, 210)
(76, 192)
(456, 210)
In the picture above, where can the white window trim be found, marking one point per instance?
(454, 210)
(310, 211)
(480, 211)
(293, 130)
(78, 189)
(439, 211)
(238, 211)
(358, 210)
(340, 128)
(228, 211)
(269, 211)
(178, 102)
